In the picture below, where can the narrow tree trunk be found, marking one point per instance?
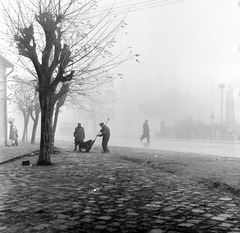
(46, 101)
(24, 127)
(55, 122)
(34, 130)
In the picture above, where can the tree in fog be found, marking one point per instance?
(59, 104)
(35, 114)
(67, 42)
(100, 108)
(24, 98)
(21, 99)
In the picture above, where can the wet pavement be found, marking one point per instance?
(95, 192)
(208, 147)
(220, 148)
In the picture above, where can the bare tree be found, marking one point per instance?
(24, 98)
(21, 97)
(58, 106)
(101, 107)
(66, 44)
(34, 114)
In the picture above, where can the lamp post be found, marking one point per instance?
(221, 86)
(212, 130)
(212, 114)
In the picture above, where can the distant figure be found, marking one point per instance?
(79, 136)
(146, 131)
(13, 135)
(105, 133)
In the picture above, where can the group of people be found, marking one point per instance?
(79, 136)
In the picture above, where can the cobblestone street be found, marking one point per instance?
(94, 192)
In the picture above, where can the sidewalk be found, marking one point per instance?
(7, 154)
(94, 192)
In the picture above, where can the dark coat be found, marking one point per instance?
(79, 134)
(146, 129)
(13, 135)
(105, 131)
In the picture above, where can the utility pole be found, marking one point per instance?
(221, 86)
(212, 114)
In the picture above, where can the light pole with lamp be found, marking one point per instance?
(212, 114)
(221, 86)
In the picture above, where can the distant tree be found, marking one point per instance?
(35, 113)
(23, 97)
(58, 106)
(66, 44)
(100, 107)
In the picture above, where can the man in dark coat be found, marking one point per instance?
(79, 136)
(105, 134)
(146, 131)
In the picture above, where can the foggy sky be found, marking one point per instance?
(183, 46)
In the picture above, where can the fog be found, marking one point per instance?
(186, 49)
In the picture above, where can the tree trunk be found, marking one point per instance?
(55, 122)
(34, 130)
(59, 104)
(23, 136)
(25, 128)
(46, 102)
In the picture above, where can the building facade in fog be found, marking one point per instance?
(4, 67)
(230, 112)
(232, 128)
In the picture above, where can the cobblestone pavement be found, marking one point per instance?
(94, 192)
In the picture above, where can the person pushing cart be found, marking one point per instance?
(105, 134)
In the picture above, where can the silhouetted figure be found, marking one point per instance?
(146, 131)
(79, 136)
(13, 134)
(105, 133)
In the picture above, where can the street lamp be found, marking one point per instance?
(212, 130)
(221, 86)
(212, 114)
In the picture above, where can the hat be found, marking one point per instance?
(101, 123)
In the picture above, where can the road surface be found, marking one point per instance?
(228, 149)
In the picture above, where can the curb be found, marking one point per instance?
(30, 154)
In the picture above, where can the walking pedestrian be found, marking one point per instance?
(79, 136)
(105, 134)
(146, 131)
(13, 134)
